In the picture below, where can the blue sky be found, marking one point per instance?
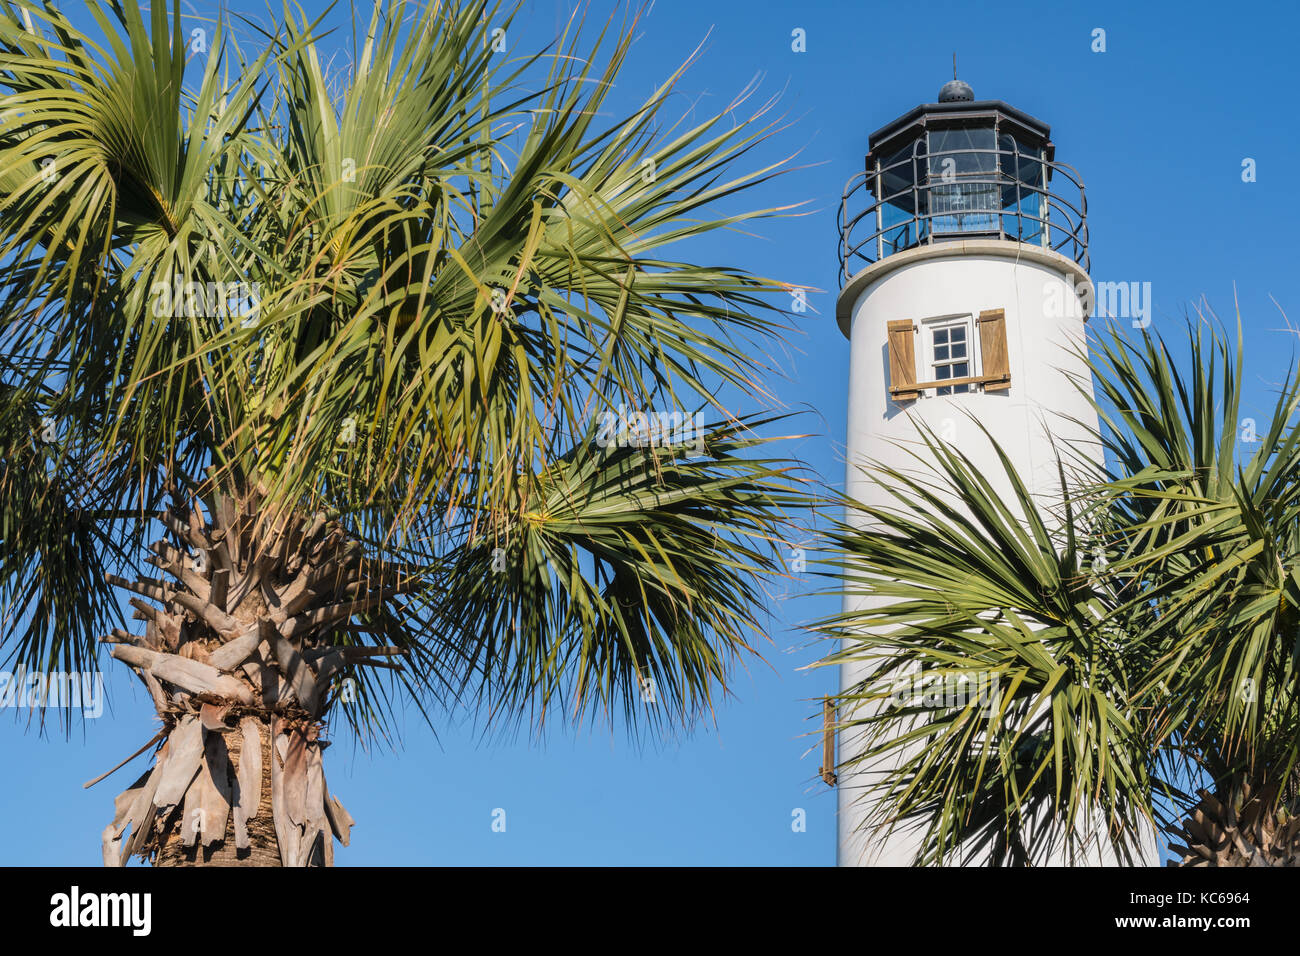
(1158, 126)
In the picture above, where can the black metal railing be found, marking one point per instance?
(958, 194)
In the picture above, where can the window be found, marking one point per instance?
(971, 351)
(950, 353)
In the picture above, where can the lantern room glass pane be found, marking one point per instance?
(964, 195)
(1022, 196)
(962, 152)
(899, 176)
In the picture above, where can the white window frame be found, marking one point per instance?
(928, 361)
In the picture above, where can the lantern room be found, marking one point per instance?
(961, 169)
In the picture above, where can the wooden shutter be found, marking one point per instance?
(996, 370)
(827, 769)
(902, 360)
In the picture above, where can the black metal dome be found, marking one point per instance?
(955, 91)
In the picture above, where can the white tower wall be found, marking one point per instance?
(1042, 294)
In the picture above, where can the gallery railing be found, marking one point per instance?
(923, 199)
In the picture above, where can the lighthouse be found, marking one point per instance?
(964, 292)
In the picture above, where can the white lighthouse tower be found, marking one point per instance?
(964, 292)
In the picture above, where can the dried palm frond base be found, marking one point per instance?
(1240, 826)
(241, 659)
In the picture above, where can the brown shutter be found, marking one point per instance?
(902, 360)
(993, 350)
(827, 769)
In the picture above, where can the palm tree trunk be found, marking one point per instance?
(242, 660)
(263, 848)
(1243, 823)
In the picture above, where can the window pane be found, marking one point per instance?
(941, 351)
(958, 333)
(964, 194)
(940, 336)
(960, 370)
(1022, 196)
(943, 371)
(897, 187)
(971, 151)
(898, 176)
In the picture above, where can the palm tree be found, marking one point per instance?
(345, 357)
(1139, 632)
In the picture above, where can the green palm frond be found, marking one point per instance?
(1209, 531)
(657, 598)
(972, 590)
(398, 295)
